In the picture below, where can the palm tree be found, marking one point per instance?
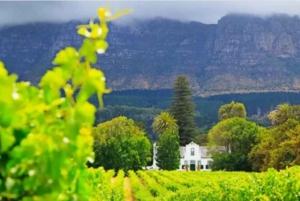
(164, 122)
(281, 114)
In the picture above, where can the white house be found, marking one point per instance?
(192, 155)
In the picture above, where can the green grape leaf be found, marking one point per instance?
(48, 95)
(67, 56)
(3, 71)
(78, 77)
(55, 78)
(6, 94)
(6, 140)
(101, 46)
(6, 116)
(86, 91)
(5, 120)
(95, 82)
(85, 113)
(12, 78)
(88, 51)
(20, 134)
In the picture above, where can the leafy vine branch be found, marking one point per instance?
(45, 138)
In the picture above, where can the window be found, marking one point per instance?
(208, 166)
(198, 165)
(181, 154)
(201, 167)
(192, 152)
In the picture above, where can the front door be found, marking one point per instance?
(192, 165)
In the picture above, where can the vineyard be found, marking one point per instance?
(175, 185)
(47, 137)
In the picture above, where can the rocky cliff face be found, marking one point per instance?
(255, 54)
(240, 54)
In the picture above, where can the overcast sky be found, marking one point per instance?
(209, 12)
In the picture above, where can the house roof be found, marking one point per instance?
(204, 152)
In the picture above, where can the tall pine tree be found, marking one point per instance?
(182, 109)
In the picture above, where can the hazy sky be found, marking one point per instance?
(18, 12)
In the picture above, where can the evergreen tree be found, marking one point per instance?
(183, 110)
(168, 154)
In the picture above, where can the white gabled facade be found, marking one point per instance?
(192, 155)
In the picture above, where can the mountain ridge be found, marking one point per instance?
(239, 54)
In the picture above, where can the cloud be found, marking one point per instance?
(209, 12)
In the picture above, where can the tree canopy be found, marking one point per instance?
(283, 112)
(164, 122)
(275, 148)
(168, 154)
(142, 115)
(182, 109)
(231, 110)
(120, 144)
(278, 146)
(237, 136)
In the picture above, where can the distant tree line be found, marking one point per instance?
(258, 106)
(253, 143)
(249, 147)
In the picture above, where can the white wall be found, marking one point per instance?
(187, 157)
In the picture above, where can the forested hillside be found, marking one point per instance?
(142, 105)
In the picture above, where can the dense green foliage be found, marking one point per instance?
(201, 139)
(268, 141)
(164, 122)
(143, 115)
(141, 102)
(261, 121)
(272, 147)
(231, 162)
(183, 110)
(44, 135)
(168, 155)
(231, 110)
(102, 187)
(276, 147)
(284, 112)
(210, 186)
(120, 144)
(237, 136)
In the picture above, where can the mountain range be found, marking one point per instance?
(239, 54)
